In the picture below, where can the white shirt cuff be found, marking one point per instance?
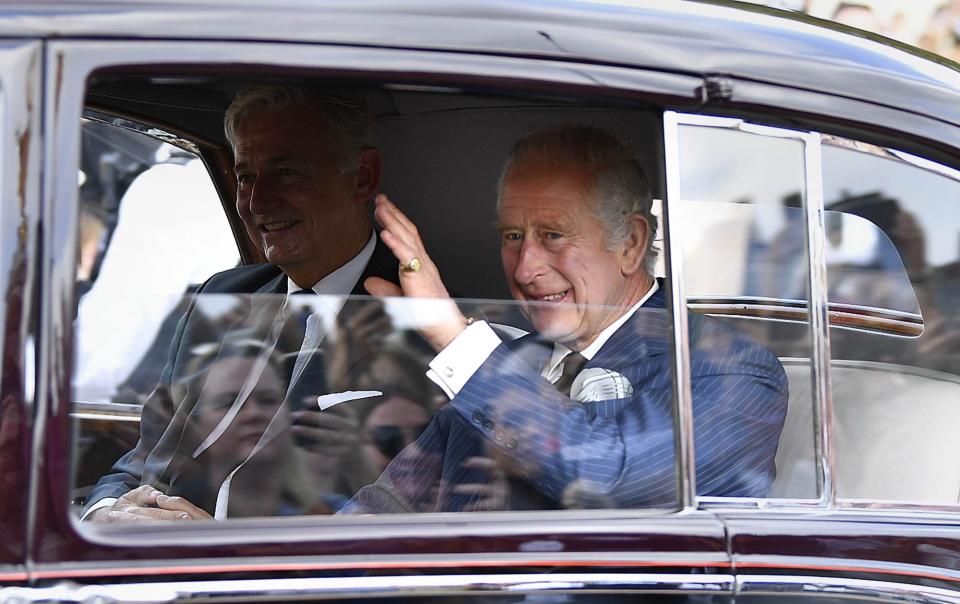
(457, 363)
(103, 503)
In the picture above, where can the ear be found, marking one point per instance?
(368, 175)
(634, 248)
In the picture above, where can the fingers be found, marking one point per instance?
(332, 418)
(179, 504)
(142, 496)
(403, 239)
(146, 504)
(333, 431)
(367, 312)
(380, 287)
(398, 225)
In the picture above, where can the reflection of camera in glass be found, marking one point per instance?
(875, 207)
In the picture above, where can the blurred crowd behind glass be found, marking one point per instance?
(932, 25)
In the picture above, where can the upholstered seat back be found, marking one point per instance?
(896, 433)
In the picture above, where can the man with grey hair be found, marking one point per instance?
(306, 172)
(578, 414)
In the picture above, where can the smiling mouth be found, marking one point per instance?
(277, 226)
(557, 297)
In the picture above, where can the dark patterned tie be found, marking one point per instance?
(572, 365)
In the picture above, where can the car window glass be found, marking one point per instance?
(315, 405)
(740, 220)
(228, 399)
(264, 404)
(151, 227)
(896, 393)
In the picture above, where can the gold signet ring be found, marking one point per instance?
(413, 266)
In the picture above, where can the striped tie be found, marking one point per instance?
(572, 365)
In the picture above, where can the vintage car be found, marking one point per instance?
(806, 177)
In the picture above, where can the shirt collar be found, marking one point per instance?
(342, 281)
(560, 351)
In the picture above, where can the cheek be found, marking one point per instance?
(508, 258)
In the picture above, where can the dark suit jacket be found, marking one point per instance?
(553, 452)
(166, 438)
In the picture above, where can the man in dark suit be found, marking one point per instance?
(578, 414)
(306, 171)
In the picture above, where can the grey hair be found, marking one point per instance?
(346, 115)
(620, 185)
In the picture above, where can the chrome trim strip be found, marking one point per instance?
(899, 506)
(144, 130)
(819, 319)
(293, 529)
(794, 303)
(124, 412)
(380, 586)
(758, 504)
(838, 319)
(682, 391)
(891, 154)
(926, 164)
(534, 555)
(815, 564)
(106, 417)
(838, 586)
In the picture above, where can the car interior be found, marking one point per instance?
(443, 147)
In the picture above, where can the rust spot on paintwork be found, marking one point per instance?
(23, 144)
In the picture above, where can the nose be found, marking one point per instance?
(261, 196)
(530, 262)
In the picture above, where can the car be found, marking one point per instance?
(805, 175)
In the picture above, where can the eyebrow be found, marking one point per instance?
(277, 159)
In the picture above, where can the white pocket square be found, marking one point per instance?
(599, 384)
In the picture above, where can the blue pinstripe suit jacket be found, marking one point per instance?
(545, 451)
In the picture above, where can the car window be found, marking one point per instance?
(151, 228)
(887, 249)
(252, 401)
(896, 396)
(741, 227)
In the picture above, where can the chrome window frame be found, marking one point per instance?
(818, 306)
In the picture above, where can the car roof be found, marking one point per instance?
(737, 39)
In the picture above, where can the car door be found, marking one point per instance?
(844, 238)
(655, 550)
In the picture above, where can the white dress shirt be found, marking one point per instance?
(457, 363)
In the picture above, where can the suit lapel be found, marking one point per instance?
(382, 264)
(277, 285)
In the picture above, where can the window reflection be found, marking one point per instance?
(895, 396)
(741, 222)
(259, 418)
